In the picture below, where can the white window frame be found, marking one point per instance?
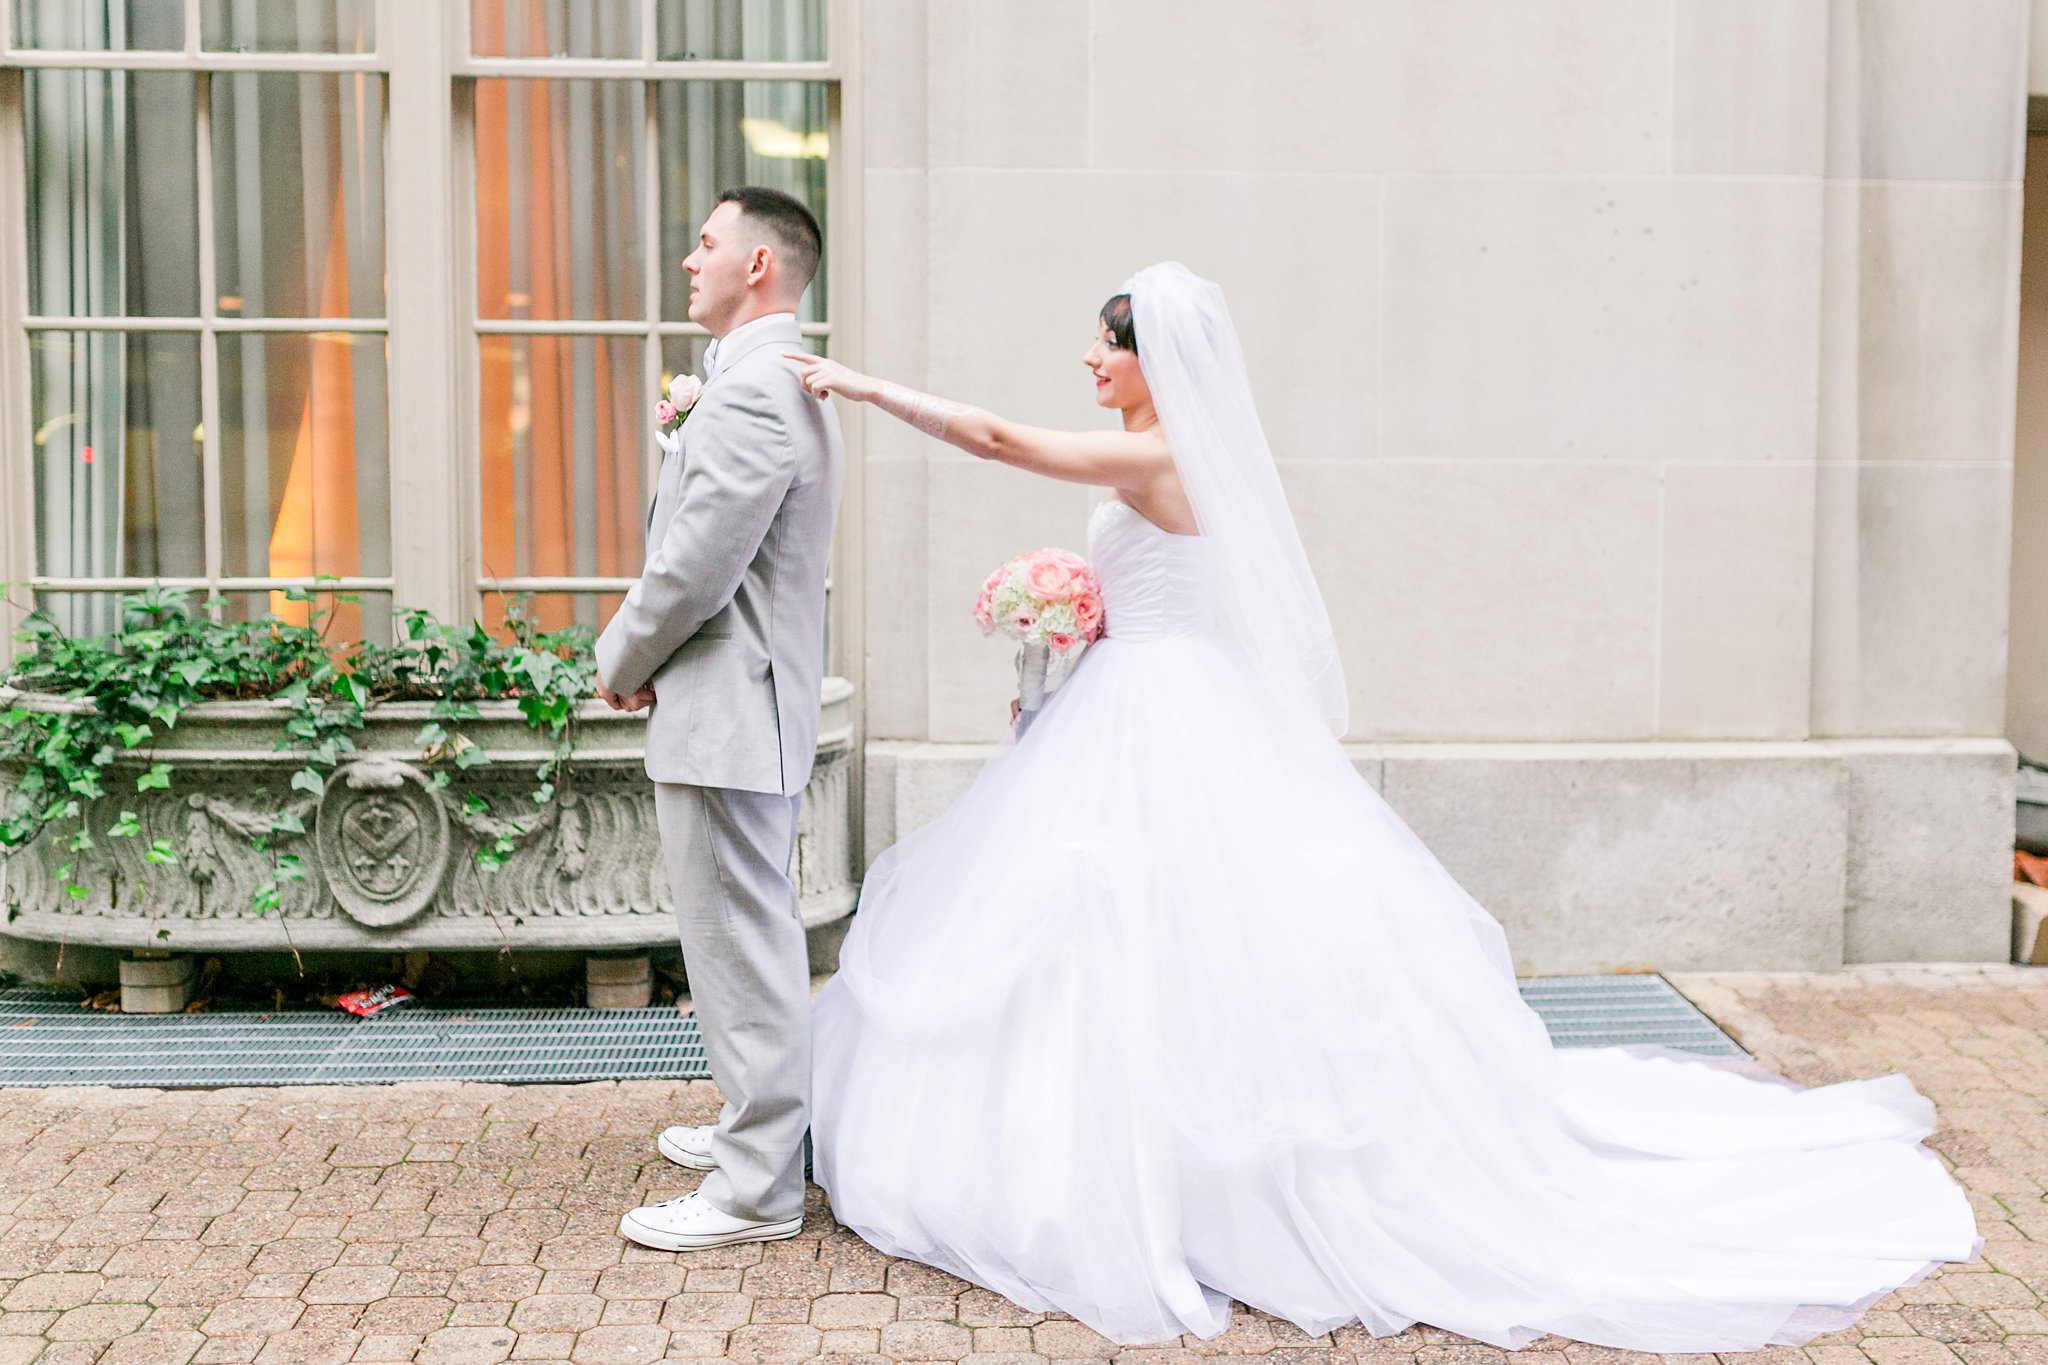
(433, 435)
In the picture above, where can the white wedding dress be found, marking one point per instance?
(1171, 1008)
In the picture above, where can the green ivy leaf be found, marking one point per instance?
(192, 670)
(285, 822)
(158, 778)
(544, 793)
(125, 827)
(81, 841)
(132, 735)
(161, 852)
(289, 868)
(307, 780)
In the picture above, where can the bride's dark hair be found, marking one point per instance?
(1116, 316)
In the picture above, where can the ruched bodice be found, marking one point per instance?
(1155, 584)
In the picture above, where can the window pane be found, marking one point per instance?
(115, 441)
(740, 30)
(558, 199)
(298, 194)
(549, 610)
(554, 28)
(75, 26)
(113, 199)
(305, 479)
(567, 441)
(716, 134)
(341, 620)
(288, 26)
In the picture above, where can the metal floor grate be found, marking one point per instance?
(1607, 1011)
(47, 1040)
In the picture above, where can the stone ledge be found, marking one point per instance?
(1679, 855)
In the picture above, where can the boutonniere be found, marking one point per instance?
(683, 392)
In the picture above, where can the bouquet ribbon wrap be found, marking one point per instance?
(1031, 661)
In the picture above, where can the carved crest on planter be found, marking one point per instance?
(383, 840)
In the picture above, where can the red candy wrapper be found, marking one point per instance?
(367, 1003)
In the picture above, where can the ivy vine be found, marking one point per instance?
(169, 656)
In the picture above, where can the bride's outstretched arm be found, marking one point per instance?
(1113, 459)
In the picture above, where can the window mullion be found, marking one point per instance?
(209, 357)
(650, 228)
(429, 549)
(17, 462)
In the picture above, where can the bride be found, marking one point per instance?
(1171, 1009)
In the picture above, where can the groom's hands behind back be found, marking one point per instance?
(639, 701)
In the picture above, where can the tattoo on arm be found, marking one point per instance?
(928, 414)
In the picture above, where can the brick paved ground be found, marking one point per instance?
(473, 1223)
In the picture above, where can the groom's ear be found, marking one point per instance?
(759, 263)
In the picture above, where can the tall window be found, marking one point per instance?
(597, 152)
(203, 227)
(196, 373)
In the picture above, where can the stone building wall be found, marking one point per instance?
(1643, 375)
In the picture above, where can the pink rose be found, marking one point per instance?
(1050, 579)
(664, 412)
(1023, 620)
(684, 391)
(1059, 641)
(1088, 613)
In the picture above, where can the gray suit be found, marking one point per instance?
(728, 623)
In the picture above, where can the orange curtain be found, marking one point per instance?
(315, 530)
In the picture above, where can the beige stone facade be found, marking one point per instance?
(1643, 376)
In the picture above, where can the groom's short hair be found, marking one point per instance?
(790, 227)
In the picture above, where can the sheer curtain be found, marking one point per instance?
(112, 230)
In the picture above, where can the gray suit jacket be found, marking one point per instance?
(728, 618)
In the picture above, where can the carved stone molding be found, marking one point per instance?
(390, 862)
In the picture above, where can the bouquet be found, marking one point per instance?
(683, 392)
(1049, 602)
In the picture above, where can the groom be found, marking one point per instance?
(724, 637)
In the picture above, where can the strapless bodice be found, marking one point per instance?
(1155, 584)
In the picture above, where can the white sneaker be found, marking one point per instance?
(690, 1223)
(688, 1147)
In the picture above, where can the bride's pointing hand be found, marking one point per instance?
(822, 378)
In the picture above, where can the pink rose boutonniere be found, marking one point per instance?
(683, 392)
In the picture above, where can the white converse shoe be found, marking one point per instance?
(690, 1223)
(688, 1147)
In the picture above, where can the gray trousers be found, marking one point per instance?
(744, 951)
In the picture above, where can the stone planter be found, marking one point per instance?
(391, 864)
